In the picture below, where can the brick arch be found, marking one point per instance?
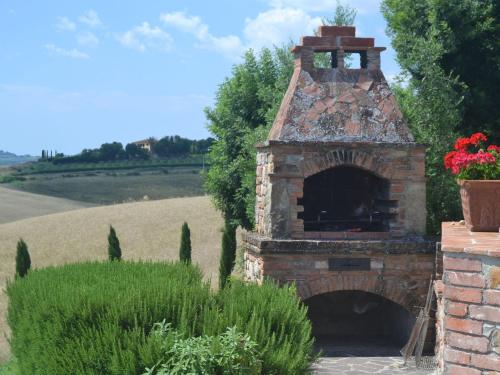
(400, 296)
(356, 158)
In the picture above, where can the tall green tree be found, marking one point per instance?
(450, 58)
(467, 34)
(228, 254)
(114, 250)
(185, 247)
(134, 152)
(111, 151)
(23, 259)
(245, 108)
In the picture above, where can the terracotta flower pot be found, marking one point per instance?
(481, 204)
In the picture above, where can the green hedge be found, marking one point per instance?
(93, 318)
(275, 318)
(96, 318)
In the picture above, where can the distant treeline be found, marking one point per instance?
(169, 146)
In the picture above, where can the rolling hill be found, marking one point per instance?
(17, 205)
(8, 158)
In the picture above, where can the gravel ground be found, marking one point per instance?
(370, 365)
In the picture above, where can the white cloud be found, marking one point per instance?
(181, 21)
(65, 24)
(90, 18)
(87, 38)
(363, 6)
(278, 26)
(269, 28)
(72, 53)
(229, 45)
(145, 36)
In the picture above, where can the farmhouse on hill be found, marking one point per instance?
(145, 144)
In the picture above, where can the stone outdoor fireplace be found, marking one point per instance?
(345, 199)
(340, 204)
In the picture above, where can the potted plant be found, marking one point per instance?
(478, 173)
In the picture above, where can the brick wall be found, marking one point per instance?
(471, 301)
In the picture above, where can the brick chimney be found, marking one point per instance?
(339, 117)
(338, 103)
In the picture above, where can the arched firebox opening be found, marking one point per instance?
(346, 199)
(357, 323)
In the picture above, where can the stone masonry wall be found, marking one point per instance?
(471, 301)
(400, 277)
(282, 168)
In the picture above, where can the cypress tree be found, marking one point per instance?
(23, 260)
(114, 250)
(185, 248)
(228, 254)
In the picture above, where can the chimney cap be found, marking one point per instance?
(330, 38)
(335, 31)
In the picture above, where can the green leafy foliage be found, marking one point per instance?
(114, 250)
(431, 109)
(23, 260)
(185, 247)
(246, 104)
(134, 152)
(450, 57)
(228, 254)
(175, 146)
(230, 353)
(97, 318)
(481, 172)
(467, 34)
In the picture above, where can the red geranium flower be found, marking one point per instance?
(477, 137)
(473, 165)
(448, 159)
(462, 144)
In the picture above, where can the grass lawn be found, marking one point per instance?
(116, 186)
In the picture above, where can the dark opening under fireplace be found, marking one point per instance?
(358, 323)
(346, 199)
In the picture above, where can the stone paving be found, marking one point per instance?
(369, 365)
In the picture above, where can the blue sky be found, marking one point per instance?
(75, 74)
